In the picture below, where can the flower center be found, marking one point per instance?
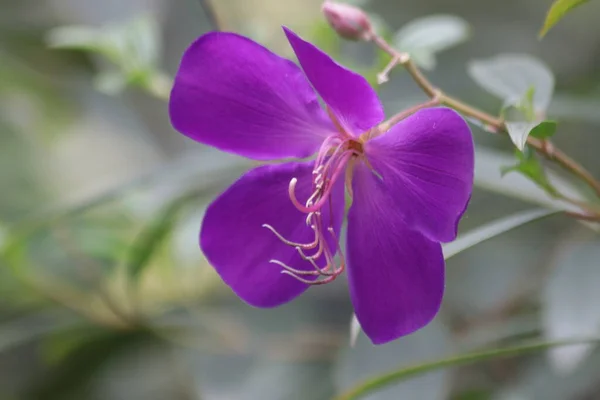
(335, 153)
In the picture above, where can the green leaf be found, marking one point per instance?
(529, 166)
(520, 118)
(77, 37)
(557, 11)
(570, 300)
(424, 37)
(527, 104)
(543, 130)
(521, 110)
(518, 132)
(489, 162)
(492, 229)
(511, 76)
(150, 239)
(378, 383)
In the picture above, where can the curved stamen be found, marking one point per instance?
(293, 270)
(330, 271)
(336, 152)
(328, 143)
(317, 253)
(307, 281)
(323, 249)
(307, 246)
(317, 272)
(324, 196)
(322, 168)
(311, 260)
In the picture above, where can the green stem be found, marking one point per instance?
(378, 383)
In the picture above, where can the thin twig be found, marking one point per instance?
(583, 217)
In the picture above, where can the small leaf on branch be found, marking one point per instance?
(518, 132)
(529, 166)
(511, 76)
(543, 130)
(557, 11)
(522, 120)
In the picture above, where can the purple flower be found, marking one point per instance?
(275, 231)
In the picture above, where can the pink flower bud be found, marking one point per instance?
(348, 21)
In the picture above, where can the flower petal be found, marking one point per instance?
(347, 93)
(234, 94)
(239, 248)
(427, 161)
(396, 274)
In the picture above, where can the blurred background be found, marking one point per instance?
(104, 293)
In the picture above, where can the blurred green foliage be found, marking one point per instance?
(132, 46)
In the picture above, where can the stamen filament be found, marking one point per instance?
(309, 282)
(326, 193)
(306, 246)
(336, 153)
